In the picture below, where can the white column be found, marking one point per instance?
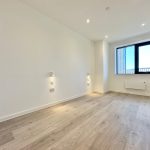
(101, 66)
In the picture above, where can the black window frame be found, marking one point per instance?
(136, 67)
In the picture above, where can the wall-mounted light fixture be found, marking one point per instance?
(88, 79)
(52, 81)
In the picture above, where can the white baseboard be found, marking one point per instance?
(130, 92)
(101, 93)
(18, 114)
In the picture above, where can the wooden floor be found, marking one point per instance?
(110, 122)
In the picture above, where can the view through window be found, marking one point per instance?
(144, 58)
(133, 59)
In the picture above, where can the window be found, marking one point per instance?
(126, 60)
(133, 59)
(143, 58)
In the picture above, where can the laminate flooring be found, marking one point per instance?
(95, 122)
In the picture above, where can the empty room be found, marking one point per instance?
(74, 75)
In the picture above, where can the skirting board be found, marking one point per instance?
(123, 92)
(5, 118)
(131, 93)
(101, 93)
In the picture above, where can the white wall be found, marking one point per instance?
(98, 85)
(116, 82)
(106, 66)
(101, 67)
(31, 46)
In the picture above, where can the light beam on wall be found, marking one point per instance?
(52, 81)
(88, 83)
(88, 79)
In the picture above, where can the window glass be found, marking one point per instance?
(125, 60)
(144, 58)
(130, 60)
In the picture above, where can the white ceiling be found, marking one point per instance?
(122, 20)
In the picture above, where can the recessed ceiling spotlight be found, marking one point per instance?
(106, 36)
(107, 8)
(88, 21)
(143, 24)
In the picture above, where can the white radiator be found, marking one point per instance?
(136, 85)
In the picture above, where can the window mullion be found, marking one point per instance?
(136, 59)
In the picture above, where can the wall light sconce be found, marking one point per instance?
(52, 81)
(88, 79)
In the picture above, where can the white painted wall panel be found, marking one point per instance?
(31, 46)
